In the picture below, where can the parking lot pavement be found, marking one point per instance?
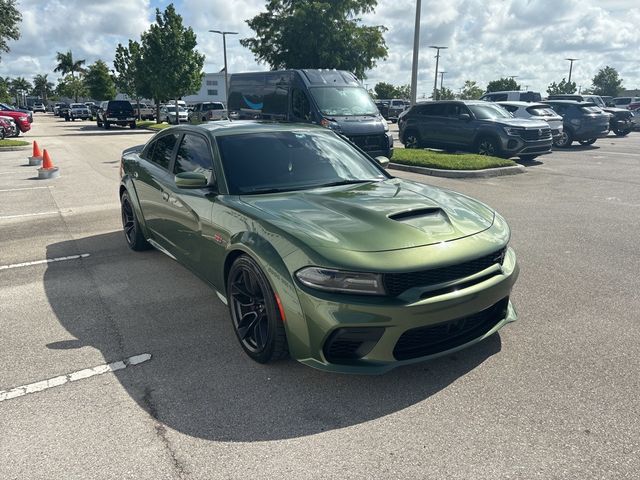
(554, 395)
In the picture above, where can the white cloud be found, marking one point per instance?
(486, 38)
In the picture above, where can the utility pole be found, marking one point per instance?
(571, 66)
(416, 47)
(441, 79)
(226, 71)
(435, 81)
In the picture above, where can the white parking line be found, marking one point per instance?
(72, 377)
(47, 260)
(53, 212)
(25, 188)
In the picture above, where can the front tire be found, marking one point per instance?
(621, 133)
(132, 125)
(488, 146)
(254, 312)
(132, 231)
(412, 140)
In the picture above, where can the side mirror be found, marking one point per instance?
(465, 117)
(191, 180)
(383, 161)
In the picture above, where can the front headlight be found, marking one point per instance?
(514, 131)
(24, 119)
(331, 280)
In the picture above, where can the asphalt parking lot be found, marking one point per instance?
(552, 396)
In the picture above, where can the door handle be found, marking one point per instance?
(165, 196)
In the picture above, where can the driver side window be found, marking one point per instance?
(300, 106)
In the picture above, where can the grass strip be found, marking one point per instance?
(447, 161)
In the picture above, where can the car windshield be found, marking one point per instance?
(591, 109)
(489, 111)
(268, 162)
(173, 109)
(344, 101)
(78, 105)
(212, 106)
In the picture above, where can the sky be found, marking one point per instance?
(486, 39)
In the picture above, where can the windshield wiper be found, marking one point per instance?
(273, 190)
(345, 182)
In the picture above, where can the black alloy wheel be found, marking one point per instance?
(589, 141)
(411, 140)
(488, 146)
(132, 232)
(565, 140)
(254, 312)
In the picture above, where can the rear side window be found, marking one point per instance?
(194, 155)
(513, 108)
(530, 97)
(119, 105)
(435, 110)
(496, 97)
(160, 152)
(540, 111)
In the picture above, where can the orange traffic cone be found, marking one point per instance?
(36, 158)
(47, 170)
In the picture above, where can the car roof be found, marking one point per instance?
(518, 103)
(234, 127)
(571, 102)
(446, 102)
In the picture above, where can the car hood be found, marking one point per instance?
(379, 216)
(519, 122)
(359, 125)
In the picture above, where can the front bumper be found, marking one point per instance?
(326, 314)
(515, 145)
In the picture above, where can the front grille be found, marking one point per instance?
(370, 142)
(432, 339)
(536, 134)
(396, 283)
(345, 345)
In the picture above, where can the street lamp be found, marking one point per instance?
(226, 73)
(435, 82)
(414, 65)
(571, 66)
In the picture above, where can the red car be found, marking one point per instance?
(21, 119)
(633, 106)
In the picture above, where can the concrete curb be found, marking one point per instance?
(15, 149)
(484, 173)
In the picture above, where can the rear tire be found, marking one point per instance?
(621, 133)
(130, 225)
(565, 140)
(254, 311)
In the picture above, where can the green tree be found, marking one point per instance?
(18, 87)
(444, 94)
(66, 64)
(4, 90)
(99, 82)
(607, 82)
(42, 87)
(471, 91)
(504, 84)
(72, 87)
(169, 66)
(9, 19)
(563, 87)
(385, 90)
(404, 92)
(125, 63)
(317, 34)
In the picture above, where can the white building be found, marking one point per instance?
(211, 90)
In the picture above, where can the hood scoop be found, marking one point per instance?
(414, 214)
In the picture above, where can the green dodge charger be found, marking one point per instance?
(318, 252)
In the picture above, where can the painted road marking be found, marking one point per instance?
(40, 262)
(72, 377)
(5, 217)
(20, 189)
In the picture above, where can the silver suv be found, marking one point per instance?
(474, 126)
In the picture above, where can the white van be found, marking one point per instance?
(512, 96)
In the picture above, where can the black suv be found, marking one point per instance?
(620, 120)
(474, 126)
(115, 112)
(584, 122)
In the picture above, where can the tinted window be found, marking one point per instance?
(510, 108)
(347, 101)
(291, 160)
(435, 110)
(119, 105)
(489, 111)
(300, 105)
(559, 108)
(530, 97)
(496, 97)
(540, 111)
(194, 155)
(160, 153)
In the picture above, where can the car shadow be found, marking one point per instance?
(579, 147)
(527, 163)
(199, 381)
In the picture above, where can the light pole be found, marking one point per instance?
(441, 79)
(435, 82)
(226, 73)
(414, 65)
(571, 66)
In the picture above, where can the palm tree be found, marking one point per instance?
(18, 87)
(67, 65)
(42, 87)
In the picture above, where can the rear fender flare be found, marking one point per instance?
(126, 184)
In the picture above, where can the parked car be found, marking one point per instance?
(77, 111)
(147, 112)
(396, 107)
(5, 108)
(63, 110)
(39, 107)
(207, 111)
(536, 111)
(512, 96)
(7, 127)
(56, 108)
(316, 250)
(383, 108)
(20, 119)
(624, 102)
(334, 99)
(635, 120)
(619, 120)
(583, 122)
(474, 126)
(115, 112)
(168, 114)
